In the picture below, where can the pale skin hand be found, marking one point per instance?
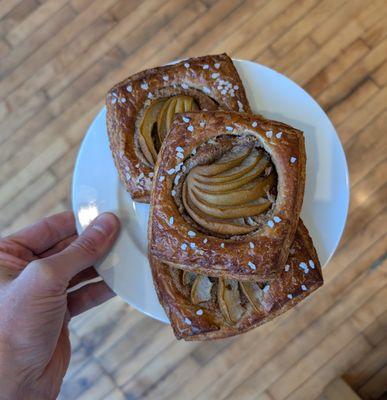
(37, 267)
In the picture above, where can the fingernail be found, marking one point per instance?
(106, 223)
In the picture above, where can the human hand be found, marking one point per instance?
(38, 265)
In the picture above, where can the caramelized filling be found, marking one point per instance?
(227, 196)
(231, 296)
(157, 120)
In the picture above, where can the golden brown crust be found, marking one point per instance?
(228, 257)
(198, 77)
(300, 277)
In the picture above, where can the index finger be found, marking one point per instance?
(46, 233)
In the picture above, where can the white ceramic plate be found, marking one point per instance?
(96, 186)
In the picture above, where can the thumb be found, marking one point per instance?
(89, 247)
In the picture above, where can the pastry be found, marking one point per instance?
(202, 308)
(141, 108)
(227, 195)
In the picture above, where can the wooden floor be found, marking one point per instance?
(57, 60)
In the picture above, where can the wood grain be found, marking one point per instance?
(57, 60)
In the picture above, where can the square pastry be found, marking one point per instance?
(141, 108)
(201, 308)
(227, 195)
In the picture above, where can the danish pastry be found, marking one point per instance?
(140, 111)
(201, 307)
(227, 195)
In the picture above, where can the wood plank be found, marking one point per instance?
(358, 96)
(353, 78)
(380, 75)
(111, 60)
(14, 12)
(155, 370)
(362, 142)
(4, 48)
(230, 24)
(45, 205)
(23, 30)
(7, 5)
(18, 116)
(38, 38)
(20, 153)
(377, 32)
(339, 389)
(36, 166)
(248, 31)
(368, 366)
(4, 109)
(52, 72)
(310, 365)
(65, 164)
(74, 52)
(376, 386)
(140, 335)
(351, 11)
(299, 55)
(44, 53)
(346, 59)
(142, 358)
(365, 315)
(116, 394)
(371, 199)
(272, 30)
(194, 29)
(90, 383)
(133, 22)
(26, 197)
(343, 360)
(328, 52)
(162, 389)
(300, 30)
(377, 331)
(80, 5)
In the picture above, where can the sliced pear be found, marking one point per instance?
(248, 164)
(149, 152)
(161, 120)
(255, 295)
(188, 278)
(222, 197)
(172, 106)
(229, 300)
(223, 164)
(162, 113)
(234, 211)
(231, 184)
(201, 289)
(148, 121)
(231, 227)
(252, 191)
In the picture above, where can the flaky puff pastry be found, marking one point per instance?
(202, 308)
(209, 82)
(213, 168)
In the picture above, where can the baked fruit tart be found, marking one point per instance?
(140, 111)
(202, 307)
(226, 245)
(227, 195)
